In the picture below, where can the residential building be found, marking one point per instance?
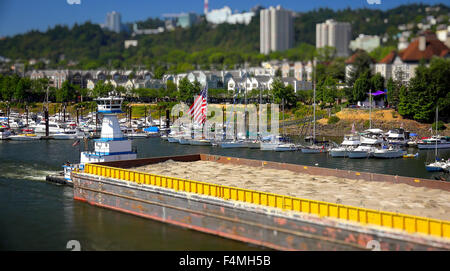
(186, 20)
(443, 34)
(113, 22)
(402, 65)
(303, 71)
(225, 15)
(276, 30)
(402, 43)
(137, 31)
(334, 34)
(365, 42)
(129, 43)
(170, 24)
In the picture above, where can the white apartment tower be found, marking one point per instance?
(113, 21)
(276, 30)
(335, 34)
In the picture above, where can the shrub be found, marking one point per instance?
(333, 120)
(366, 124)
(440, 126)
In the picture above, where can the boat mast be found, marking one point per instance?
(314, 100)
(370, 108)
(435, 151)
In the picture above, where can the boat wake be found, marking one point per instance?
(32, 172)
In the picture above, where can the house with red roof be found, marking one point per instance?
(402, 65)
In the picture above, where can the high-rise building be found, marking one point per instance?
(186, 20)
(334, 34)
(276, 30)
(113, 22)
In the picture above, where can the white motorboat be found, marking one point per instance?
(138, 135)
(314, 149)
(434, 142)
(255, 144)
(53, 128)
(362, 151)
(286, 147)
(369, 143)
(200, 142)
(233, 144)
(277, 146)
(24, 137)
(350, 142)
(173, 139)
(390, 152)
(4, 133)
(184, 140)
(62, 136)
(397, 137)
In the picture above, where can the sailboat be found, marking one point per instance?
(233, 143)
(314, 148)
(437, 165)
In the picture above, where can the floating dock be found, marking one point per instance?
(276, 221)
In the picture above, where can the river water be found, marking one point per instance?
(36, 215)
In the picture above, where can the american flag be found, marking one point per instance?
(198, 109)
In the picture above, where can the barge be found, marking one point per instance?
(271, 220)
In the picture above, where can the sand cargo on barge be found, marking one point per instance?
(283, 222)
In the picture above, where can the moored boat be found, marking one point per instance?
(350, 142)
(233, 144)
(24, 137)
(438, 166)
(390, 152)
(438, 142)
(200, 142)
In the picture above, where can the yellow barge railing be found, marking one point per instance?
(409, 223)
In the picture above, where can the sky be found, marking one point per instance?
(20, 16)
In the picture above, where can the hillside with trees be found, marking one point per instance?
(202, 46)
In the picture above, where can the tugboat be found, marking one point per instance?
(112, 144)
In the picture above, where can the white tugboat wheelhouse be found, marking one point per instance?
(112, 145)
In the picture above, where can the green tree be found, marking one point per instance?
(101, 89)
(20, 91)
(392, 93)
(171, 89)
(185, 90)
(66, 93)
(326, 53)
(361, 65)
(281, 92)
(278, 73)
(327, 91)
(160, 71)
(377, 82)
(361, 87)
(404, 105)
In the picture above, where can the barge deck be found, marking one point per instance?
(271, 220)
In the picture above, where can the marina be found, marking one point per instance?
(214, 194)
(96, 227)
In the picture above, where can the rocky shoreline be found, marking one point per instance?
(381, 120)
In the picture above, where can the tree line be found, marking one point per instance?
(202, 46)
